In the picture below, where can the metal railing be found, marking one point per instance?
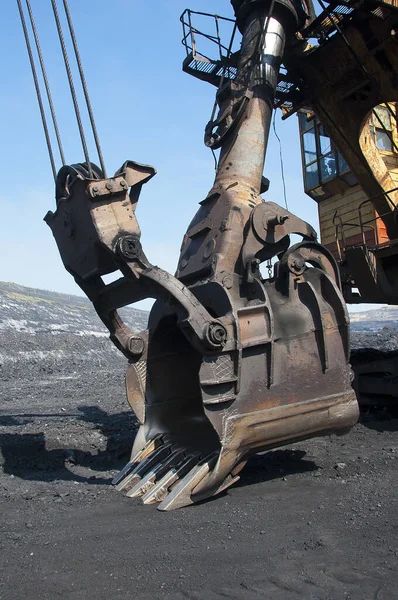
(341, 227)
(192, 36)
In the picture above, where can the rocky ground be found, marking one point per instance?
(313, 521)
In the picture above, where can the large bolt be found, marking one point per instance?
(228, 282)
(136, 345)
(297, 264)
(274, 220)
(129, 247)
(217, 334)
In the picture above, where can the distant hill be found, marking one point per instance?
(47, 334)
(30, 310)
(374, 319)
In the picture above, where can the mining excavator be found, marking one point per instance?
(234, 363)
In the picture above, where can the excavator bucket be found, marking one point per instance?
(228, 367)
(232, 363)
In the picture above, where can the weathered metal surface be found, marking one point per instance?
(231, 363)
(353, 69)
(343, 79)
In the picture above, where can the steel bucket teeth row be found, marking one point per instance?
(165, 473)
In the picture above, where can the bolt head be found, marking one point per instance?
(227, 282)
(129, 247)
(297, 264)
(217, 334)
(136, 345)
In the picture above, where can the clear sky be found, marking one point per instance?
(146, 110)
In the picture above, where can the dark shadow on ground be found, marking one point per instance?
(380, 418)
(275, 465)
(25, 455)
(10, 421)
(265, 467)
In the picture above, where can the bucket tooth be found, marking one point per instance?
(143, 453)
(230, 480)
(161, 489)
(149, 480)
(145, 484)
(144, 466)
(180, 495)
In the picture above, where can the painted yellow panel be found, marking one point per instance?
(347, 208)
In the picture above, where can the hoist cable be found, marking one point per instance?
(38, 92)
(72, 87)
(215, 160)
(84, 85)
(44, 73)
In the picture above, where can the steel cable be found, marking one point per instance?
(38, 92)
(84, 85)
(72, 87)
(44, 73)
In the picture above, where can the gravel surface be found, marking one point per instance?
(385, 339)
(313, 521)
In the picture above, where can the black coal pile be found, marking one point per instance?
(45, 333)
(386, 339)
(62, 396)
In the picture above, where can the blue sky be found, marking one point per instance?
(146, 110)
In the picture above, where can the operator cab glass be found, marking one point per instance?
(322, 162)
(381, 127)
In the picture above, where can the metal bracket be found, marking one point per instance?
(97, 233)
(268, 235)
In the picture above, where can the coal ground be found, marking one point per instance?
(314, 521)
